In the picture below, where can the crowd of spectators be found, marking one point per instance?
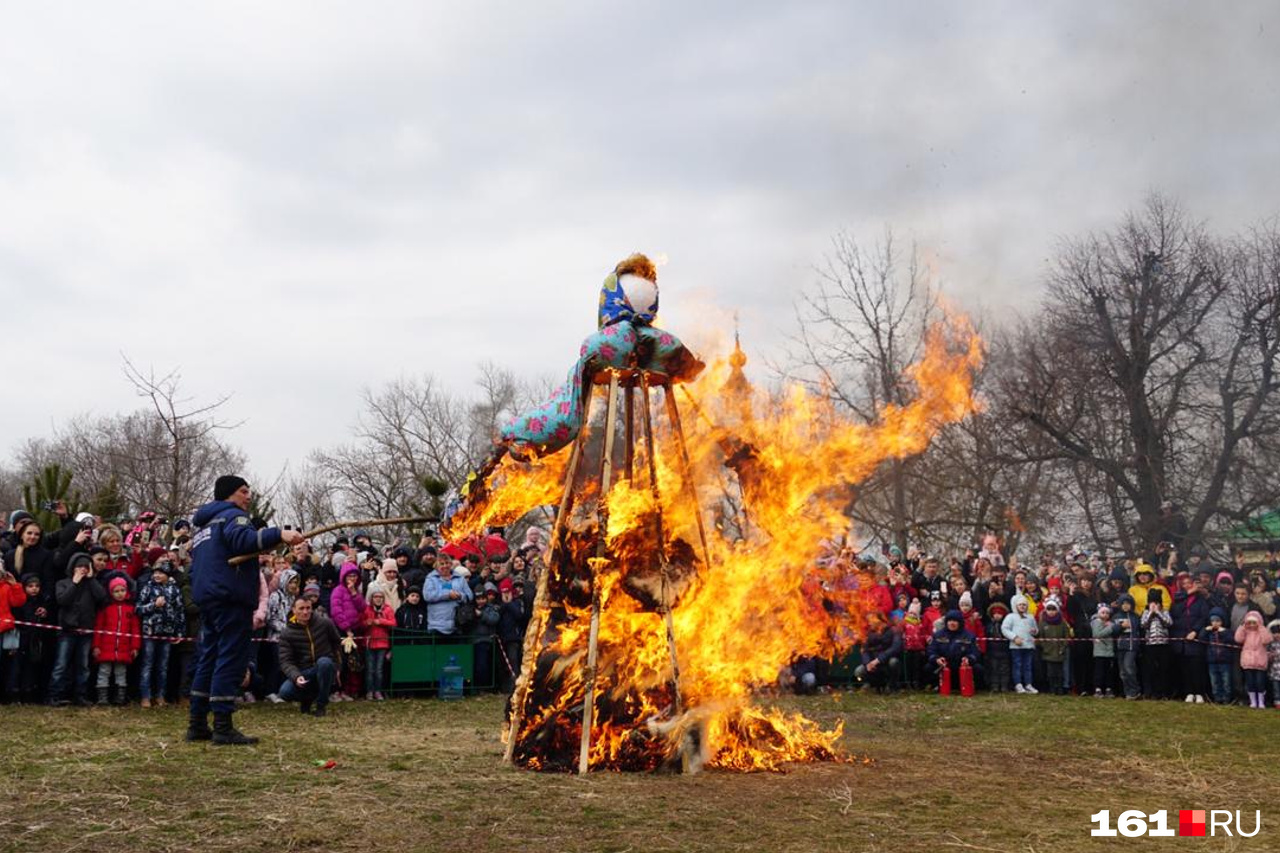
(94, 612)
(1168, 626)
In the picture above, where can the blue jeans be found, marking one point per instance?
(374, 670)
(1021, 665)
(72, 657)
(155, 659)
(319, 684)
(1220, 682)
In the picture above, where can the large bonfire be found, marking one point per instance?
(773, 476)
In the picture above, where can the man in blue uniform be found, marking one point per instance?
(227, 596)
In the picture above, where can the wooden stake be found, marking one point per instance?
(691, 488)
(664, 567)
(541, 607)
(606, 480)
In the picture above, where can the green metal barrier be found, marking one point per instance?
(416, 662)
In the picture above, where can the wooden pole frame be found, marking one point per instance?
(593, 636)
(541, 607)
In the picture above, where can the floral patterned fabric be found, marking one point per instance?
(625, 339)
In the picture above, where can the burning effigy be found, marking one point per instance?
(684, 570)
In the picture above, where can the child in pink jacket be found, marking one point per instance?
(1252, 638)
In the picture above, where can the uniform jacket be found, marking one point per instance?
(225, 532)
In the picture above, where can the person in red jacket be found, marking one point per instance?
(12, 596)
(378, 621)
(117, 637)
(973, 621)
(915, 639)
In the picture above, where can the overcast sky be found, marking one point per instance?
(289, 201)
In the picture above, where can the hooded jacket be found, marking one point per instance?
(225, 531)
(117, 633)
(1190, 613)
(1053, 636)
(169, 620)
(390, 587)
(1019, 629)
(1130, 637)
(378, 623)
(953, 645)
(280, 605)
(346, 608)
(1220, 645)
(1253, 642)
(1104, 634)
(78, 603)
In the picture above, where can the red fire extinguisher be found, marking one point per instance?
(966, 678)
(944, 680)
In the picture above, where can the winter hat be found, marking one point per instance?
(1217, 613)
(18, 515)
(913, 609)
(489, 587)
(416, 589)
(1020, 599)
(362, 557)
(377, 591)
(1054, 583)
(1051, 603)
(227, 485)
(935, 596)
(505, 585)
(966, 600)
(181, 524)
(1118, 574)
(98, 549)
(1104, 609)
(1225, 577)
(997, 607)
(956, 616)
(311, 588)
(1274, 625)
(117, 582)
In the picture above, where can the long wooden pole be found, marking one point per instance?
(691, 488)
(593, 636)
(664, 566)
(541, 606)
(329, 528)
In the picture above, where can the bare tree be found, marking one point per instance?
(858, 328)
(1152, 374)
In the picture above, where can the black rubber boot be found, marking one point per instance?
(198, 726)
(224, 733)
(118, 695)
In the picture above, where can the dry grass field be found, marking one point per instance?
(989, 773)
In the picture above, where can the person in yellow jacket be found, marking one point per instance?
(1144, 577)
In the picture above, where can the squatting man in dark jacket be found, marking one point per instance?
(308, 649)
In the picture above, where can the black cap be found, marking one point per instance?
(227, 485)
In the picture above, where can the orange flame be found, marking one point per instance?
(748, 605)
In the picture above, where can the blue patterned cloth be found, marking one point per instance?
(625, 339)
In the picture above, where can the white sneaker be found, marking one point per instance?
(1018, 688)
(1030, 689)
(274, 698)
(1199, 699)
(1190, 698)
